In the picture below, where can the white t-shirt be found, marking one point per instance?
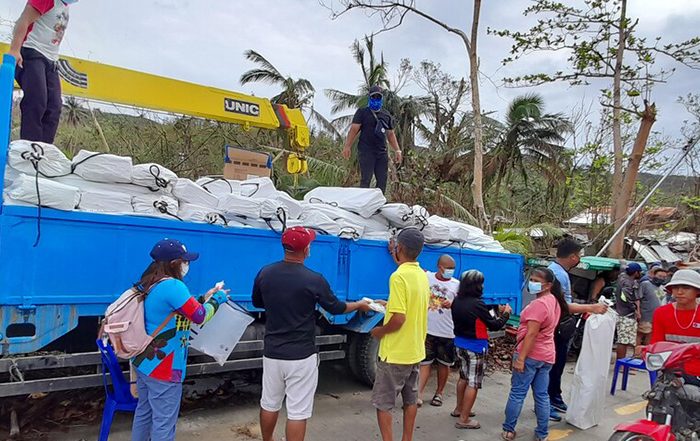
(439, 319)
(45, 34)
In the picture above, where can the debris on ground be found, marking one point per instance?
(250, 430)
(500, 354)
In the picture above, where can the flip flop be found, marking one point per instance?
(436, 401)
(472, 424)
(457, 415)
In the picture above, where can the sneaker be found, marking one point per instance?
(559, 405)
(554, 415)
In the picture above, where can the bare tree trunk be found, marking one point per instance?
(617, 209)
(477, 182)
(630, 178)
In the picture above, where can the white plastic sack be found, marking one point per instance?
(259, 188)
(385, 236)
(155, 205)
(52, 161)
(352, 224)
(153, 176)
(269, 209)
(292, 206)
(240, 206)
(187, 191)
(105, 202)
(459, 231)
(398, 215)
(52, 194)
(90, 186)
(221, 334)
(196, 213)
(434, 233)
(317, 221)
(590, 385)
(363, 201)
(100, 167)
(220, 186)
(420, 215)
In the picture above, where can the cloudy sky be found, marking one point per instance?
(204, 41)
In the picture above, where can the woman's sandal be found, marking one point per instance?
(436, 401)
(457, 414)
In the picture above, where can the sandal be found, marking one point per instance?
(507, 436)
(419, 402)
(456, 414)
(436, 401)
(472, 424)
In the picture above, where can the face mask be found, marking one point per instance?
(184, 269)
(448, 273)
(534, 287)
(375, 103)
(658, 282)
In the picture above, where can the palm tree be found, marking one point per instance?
(530, 137)
(74, 111)
(296, 93)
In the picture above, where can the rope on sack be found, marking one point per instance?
(162, 207)
(281, 215)
(352, 232)
(211, 180)
(257, 187)
(212, 218)
(154, 170)
(321, 201)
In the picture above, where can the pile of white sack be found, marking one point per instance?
(106, 183)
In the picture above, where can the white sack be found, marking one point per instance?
(52, 163)
(155, 205)
(221, 334)
(292, 206)
(153, 176)
(459, 231)
(259, 188)
(317, 221)
(103, 167)
(385, 236)
(590, 384)
(196, 213)
(363, 201)
(187, 191)
(220, 186)
(105, 202)
(434, 233)
(10, 175)
(398, 215)
(420, 215)
(346, 219)
(89, 186)
(53, 194)
(269, 208)
(240, 206)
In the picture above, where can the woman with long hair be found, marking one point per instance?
(535, 352)
(472, 322)
(160, 369)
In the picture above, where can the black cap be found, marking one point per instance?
(411, 238)
(374, 90)
(167, 250)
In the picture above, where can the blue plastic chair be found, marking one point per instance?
(626, 364)
(119, 396)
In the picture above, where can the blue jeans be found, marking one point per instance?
(536, 374)
(156, 413)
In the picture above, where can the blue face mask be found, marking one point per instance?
(448, 273)
(534, 287)
(376, 103)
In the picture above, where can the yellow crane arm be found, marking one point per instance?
(102, 82)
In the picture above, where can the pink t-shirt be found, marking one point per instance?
(546, 311)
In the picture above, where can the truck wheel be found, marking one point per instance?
(351, 358)
(363, 354)
(629, 436)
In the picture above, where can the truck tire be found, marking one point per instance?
(362, 354)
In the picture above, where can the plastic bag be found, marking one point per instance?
(259, 188)
(50, 159)
(196, 213)
(292, 206)
(589, 387)
(187, 191)
(156, 205)
(220, 186)
(240, 206)
(52, 194)
(90, 186)
(153, 176)
(102, 167)
(221, 333)
(363, 201)
(398, 215)
(105, 202)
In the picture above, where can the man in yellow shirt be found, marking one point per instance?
(402, 337)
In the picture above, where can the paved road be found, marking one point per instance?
(343, 413)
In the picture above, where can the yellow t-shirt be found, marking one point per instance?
(409, 294)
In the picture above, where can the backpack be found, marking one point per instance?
(125, 324)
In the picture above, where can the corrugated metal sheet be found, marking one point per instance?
(665, 254)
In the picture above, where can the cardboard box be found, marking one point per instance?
(241, 164)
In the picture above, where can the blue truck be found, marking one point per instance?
(55, 292)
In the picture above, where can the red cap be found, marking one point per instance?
(297, 238)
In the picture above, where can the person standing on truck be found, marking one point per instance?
(35, 44)
(439, 345)
(472, 322)
(627, 305)
(402, 337)
(534, 353)
(289, 292)
(568, 257)
(375, 126)
(160, 369)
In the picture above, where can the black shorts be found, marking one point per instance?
(440, 349)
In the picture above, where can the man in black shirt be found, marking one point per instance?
(289, 292)
(375, 125)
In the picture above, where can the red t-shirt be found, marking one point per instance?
(681, 326)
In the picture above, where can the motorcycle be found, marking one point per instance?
(673, 409)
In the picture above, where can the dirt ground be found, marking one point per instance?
(343, 413)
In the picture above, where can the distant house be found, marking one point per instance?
(602, 216)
